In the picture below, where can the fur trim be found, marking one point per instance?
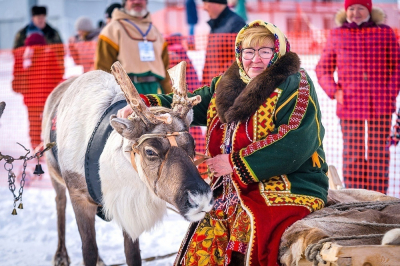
(236, 102)
(377, 16)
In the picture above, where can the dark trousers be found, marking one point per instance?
(369, 171)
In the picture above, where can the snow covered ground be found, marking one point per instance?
(30, 238)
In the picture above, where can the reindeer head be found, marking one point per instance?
(162, 148)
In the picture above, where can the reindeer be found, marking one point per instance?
(146, 162)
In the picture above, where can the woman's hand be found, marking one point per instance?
(220, 165)
(339, 96)
(125, 112)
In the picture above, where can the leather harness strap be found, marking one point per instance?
(202, 158)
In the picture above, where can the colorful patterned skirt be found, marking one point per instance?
(231, 226)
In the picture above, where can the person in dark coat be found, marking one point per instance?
(224, 24)
(222, 19)
(366, 55)
(38, 23)
(109, 11)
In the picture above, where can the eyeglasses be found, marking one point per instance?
(264, 53)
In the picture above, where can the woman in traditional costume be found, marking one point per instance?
(264, 135)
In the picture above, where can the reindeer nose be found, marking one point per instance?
(200, 204)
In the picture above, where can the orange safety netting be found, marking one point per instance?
(363, 65)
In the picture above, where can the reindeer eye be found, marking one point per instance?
(150, 152)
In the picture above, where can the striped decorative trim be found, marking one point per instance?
(145, 99)
(265, 114)
(253, 227)
(212, 107)
(243, 173)
(276, 192)
(211, 111)
(109, 41)
(294, 120)
(154, 100)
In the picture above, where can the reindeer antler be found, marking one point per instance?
(181, 104)
(133, 97)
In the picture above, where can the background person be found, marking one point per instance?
(270, 170)
(192, 19)
(39, 24)
(239, 6)
(132, 39)
(85, 31)
(191, 15)
(81, 45)
(37, 71)
(109, 11)
(366, 54)
(219, 54)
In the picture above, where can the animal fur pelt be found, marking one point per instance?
(236, 102)
(336, 222)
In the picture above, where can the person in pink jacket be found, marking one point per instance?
(365, 53)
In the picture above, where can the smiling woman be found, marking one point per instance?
(257, 50)
(265, 138)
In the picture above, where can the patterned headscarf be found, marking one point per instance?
(281, 45)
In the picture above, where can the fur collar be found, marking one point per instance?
(377, 16)
(236, 102)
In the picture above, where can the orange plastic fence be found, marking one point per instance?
(356, 75)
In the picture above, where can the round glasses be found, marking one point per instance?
(264, 53)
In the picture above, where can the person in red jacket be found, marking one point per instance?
(38, 68)
(366, 56)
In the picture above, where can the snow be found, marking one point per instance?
(30, 237)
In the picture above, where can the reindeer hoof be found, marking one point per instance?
(61, 259)
(100, 262)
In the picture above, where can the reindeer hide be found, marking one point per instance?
(333, 222)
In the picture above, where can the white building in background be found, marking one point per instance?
(61, 15)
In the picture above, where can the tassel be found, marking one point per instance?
(20, 206)
(315, 160)
(14, 212)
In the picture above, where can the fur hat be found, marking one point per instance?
(35, 39)
(39, 10)
(223, 2)
(366, 3)
(84, 24)
(111, 8)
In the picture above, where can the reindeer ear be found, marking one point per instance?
(189, 118)
(129, 129)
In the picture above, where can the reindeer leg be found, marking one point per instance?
(132, 251)
(85, 213)
(61, 257)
